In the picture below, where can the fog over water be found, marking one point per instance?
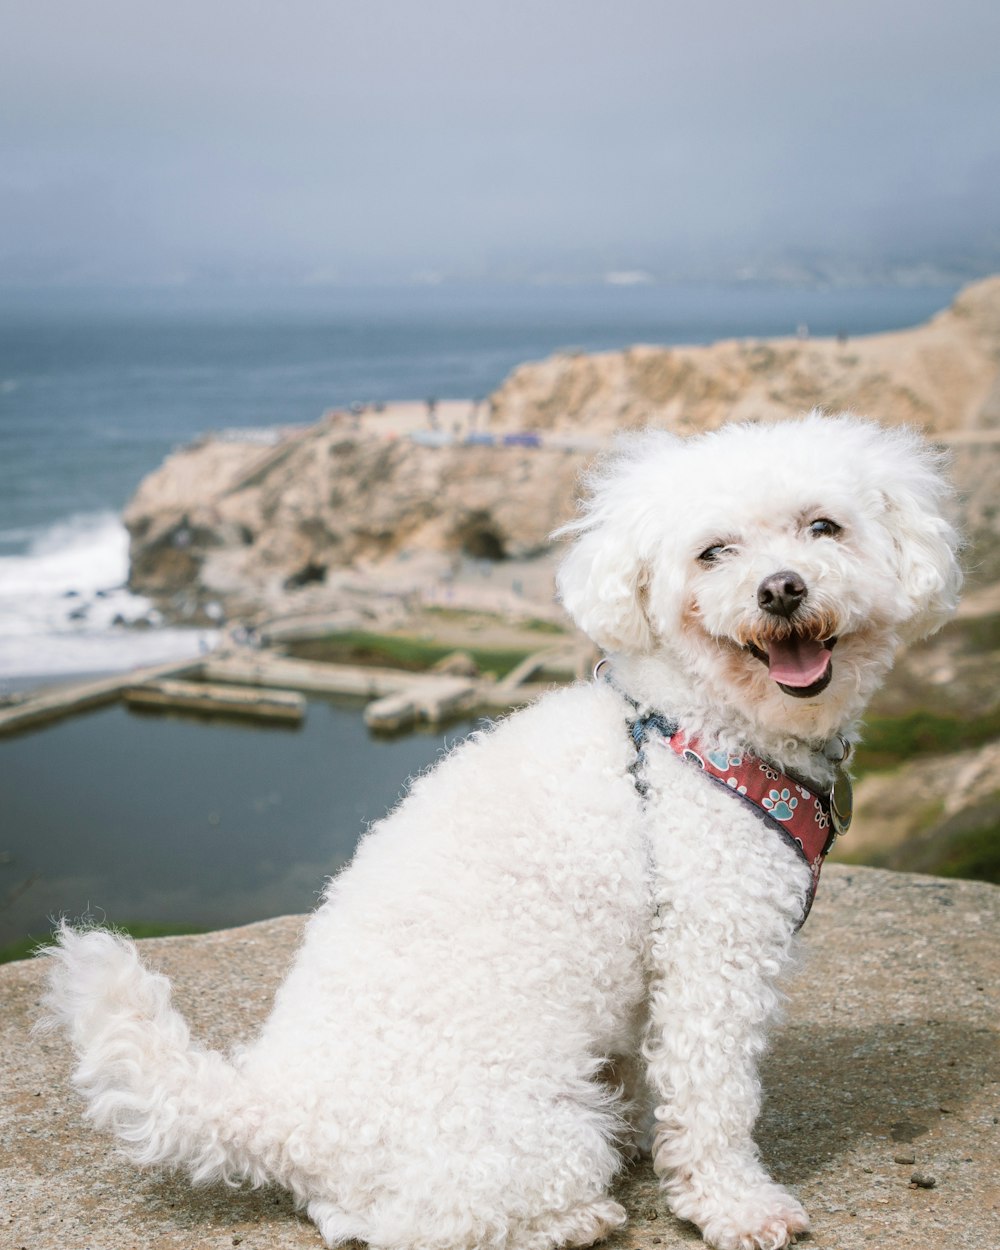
(317, 142)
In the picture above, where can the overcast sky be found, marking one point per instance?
(302, 140)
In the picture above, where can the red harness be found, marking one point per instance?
(803, 819)
(809, 823)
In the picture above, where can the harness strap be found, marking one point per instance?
(807, 822)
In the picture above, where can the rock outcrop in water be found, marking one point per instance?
(267, 530)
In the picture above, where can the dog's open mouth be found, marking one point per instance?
(802, 666)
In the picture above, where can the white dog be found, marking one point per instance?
(566, 941)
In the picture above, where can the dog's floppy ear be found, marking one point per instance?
(601, 583)
(603, 579)
(925, 543)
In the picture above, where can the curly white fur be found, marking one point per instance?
(435, 1072)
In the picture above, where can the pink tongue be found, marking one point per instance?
(797, 661)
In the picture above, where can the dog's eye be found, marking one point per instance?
(711, 554)
(823, 527)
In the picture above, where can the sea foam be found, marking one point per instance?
(65, 607)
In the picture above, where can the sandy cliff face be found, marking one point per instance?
(942, 376)
(255, 529)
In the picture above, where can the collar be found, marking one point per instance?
(808, 822)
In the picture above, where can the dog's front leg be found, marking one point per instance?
(720, 942)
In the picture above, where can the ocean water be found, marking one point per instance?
(186, 821)
(97, 387)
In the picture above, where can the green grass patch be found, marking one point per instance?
(970, 850)
(26, 947)
(892, 740)
(978, 635)
(975, 854)
(538, 626)
(400, 651)
(465, 616)
(923, 821)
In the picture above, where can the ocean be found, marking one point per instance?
(96, 387)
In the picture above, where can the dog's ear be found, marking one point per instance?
(925, 543)
(603, 580)
(602, 583)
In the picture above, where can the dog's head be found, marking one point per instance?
(779, 565)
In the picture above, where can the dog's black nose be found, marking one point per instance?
(781, 593)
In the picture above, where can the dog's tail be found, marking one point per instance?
(171, 1101)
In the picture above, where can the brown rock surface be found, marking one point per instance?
(889, 1048)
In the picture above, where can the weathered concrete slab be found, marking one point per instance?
(430, 700)
(55, 702)
(890, 1048)
(310, 676)
(212, 699)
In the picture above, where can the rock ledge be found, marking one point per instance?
(889, 1049)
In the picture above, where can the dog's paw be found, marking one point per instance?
(580, 1226)
(635, 1150)
(768, 1220)
(334, 1226)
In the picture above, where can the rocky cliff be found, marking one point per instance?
(329, 499)
(941, 377)
(271, 530)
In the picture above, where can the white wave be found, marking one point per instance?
(65, 607)
(80, 555)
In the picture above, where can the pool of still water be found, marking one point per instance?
(186, 822)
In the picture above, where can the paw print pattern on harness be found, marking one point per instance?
(780, 804)
(723, 761)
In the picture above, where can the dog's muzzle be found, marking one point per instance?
(797, 657)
